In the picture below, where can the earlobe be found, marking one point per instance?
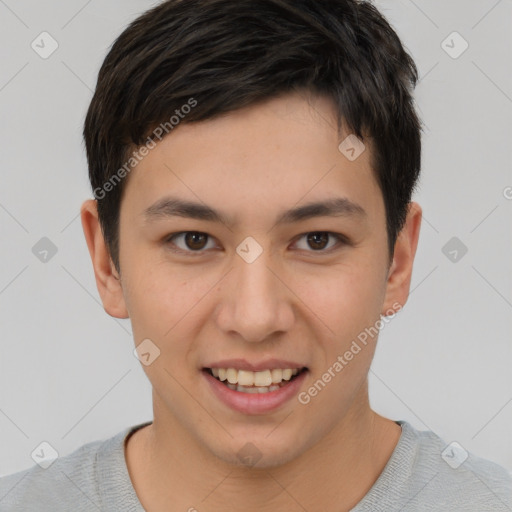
(108, 281)
(400, 272)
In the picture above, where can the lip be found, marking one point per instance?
(243, 364)
(255, 403)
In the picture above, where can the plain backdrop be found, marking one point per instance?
(67, 370)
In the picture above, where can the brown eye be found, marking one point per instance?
(191, 241)
(318, 240)
(195, 240)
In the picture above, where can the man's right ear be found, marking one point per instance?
(107, 278)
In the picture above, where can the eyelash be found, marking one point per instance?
(342, 240)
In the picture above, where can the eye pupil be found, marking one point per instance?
(191, 239)
(314, 238)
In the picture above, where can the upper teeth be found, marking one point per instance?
(248, 378)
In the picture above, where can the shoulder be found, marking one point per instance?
(447, 476)
(427, 474)
(69, 483)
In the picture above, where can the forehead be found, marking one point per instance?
(280, 152)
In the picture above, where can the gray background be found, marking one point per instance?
(67, 371)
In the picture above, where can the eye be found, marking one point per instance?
(197, 242)
(318, 240)
(194, 241)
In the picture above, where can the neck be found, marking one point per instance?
(167, 466)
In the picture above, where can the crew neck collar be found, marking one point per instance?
(116, 489)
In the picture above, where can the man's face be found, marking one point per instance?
(249, 291)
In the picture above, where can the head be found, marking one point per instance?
(241, 107)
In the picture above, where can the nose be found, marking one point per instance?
(255, 302)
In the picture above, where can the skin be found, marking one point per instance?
(293, 302)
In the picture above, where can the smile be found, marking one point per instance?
(246, 381)
(254, 392)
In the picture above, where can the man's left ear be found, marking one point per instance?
(400, 272)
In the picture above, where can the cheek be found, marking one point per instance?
(161, 310)
(344, 299)
(349, 303)
(163, 302)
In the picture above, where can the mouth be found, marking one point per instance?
(246, 381)
(255, 392)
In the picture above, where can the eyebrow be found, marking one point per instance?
(175, 207)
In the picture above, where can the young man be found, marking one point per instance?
(253, 163)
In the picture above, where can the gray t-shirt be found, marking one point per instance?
(417, 477)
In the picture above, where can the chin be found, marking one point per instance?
(260, 451)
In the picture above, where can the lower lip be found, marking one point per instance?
(255, 403)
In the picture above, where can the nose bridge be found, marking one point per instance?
(257, 305)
